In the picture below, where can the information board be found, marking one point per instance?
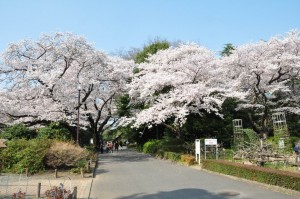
(210, 142)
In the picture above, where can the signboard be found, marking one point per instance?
(197, 149)
(197, 144)
(92, 141)
(281, 143)
(210, 142)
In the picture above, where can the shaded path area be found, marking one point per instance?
(131, 175)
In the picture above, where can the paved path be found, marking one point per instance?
(131, 175)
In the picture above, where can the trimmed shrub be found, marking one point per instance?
(188, 159)
(65, 155)
(172, 156)
(151, 146)
(260, 174)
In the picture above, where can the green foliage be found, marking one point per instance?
(250, 136)
(54, 131)
(209, 125)
(227, 50)
(164, 90)
(150, 50)
(265, 175)
(289, 143)
(136, 70)
(123, 107)
(17, 131)
(151, 146)
(176, 157)
(168, 144)
(293, 140)
(80, 165)
(21, 154)
(90, 148)
(172, 144)
(293, 123)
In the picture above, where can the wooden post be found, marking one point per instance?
(89, 165)
(55, 173)
(38, 194)
(81, 171)
(74, 194)
(26, 170)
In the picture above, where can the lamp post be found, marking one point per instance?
(79, 89)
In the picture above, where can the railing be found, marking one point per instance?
(18, 186)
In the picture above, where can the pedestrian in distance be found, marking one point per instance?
(116, 146)
(297, 148)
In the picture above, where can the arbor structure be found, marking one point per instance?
(238, 134)
(268, 73)
(40, 80)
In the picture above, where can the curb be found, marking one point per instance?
(93, 176)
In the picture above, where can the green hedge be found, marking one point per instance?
(172, 156)
(260, 174)
(151, 146)
(21, 154)
(166, 144)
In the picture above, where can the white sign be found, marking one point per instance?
(210, 141)
(197, 149)
(197, 144)
(281, 143)
(92, 141)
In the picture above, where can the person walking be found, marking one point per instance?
(116, 146)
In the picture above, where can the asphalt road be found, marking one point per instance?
(131, 175)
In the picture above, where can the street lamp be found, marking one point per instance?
(79, 89)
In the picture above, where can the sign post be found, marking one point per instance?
(211, 142)
(281, 143)
(197, 150)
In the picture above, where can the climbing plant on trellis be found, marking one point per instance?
(279, 125)
(238, 134)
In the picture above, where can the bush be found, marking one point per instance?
(65, 155)
(54, 131)
(188, 159)
(172, 144)
(21, 154)
(265, 175)
(172, 156)
(17, 131)
(151, 146)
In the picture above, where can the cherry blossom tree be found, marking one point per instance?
(176, 82)
(268, 73)
(40, 80)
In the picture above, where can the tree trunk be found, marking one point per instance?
(96, 138)
(176, 130)
(178, 133)
(265, 124)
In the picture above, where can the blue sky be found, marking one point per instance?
(115, 25)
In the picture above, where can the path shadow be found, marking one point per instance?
(100, 171)
(123, 156)
(185, 194)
